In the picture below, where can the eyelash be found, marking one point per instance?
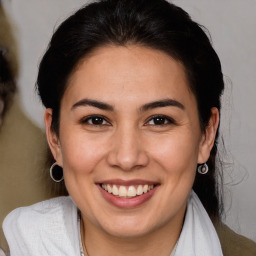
(162, 117)
(104, 122)
(87, 120)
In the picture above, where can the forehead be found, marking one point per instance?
(133, 71)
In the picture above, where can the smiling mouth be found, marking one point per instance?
(127, 191)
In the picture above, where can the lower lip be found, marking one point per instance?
(127, 202)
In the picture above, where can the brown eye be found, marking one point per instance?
(95, 120)
(160, 120)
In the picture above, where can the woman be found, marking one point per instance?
(132, 95)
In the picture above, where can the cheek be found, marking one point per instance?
(81, 153)
(177, 152)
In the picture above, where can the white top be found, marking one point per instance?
(45, 228)
(50, 228)
(1, 252)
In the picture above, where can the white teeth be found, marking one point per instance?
(109, 189)
(115, 190)
(122, 191)
(139, 190)
(131, 191)
(145, 188)
(127, 192)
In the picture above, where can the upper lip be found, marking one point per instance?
(127, 182)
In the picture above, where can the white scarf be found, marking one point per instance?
(50, 228)
(198, 236)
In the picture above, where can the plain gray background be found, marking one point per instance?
(232, 25)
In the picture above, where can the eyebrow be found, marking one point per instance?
(148, 106)
(161, 104)
(93, 103)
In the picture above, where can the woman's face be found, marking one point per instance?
(130, 140)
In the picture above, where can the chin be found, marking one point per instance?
(128, 227)
(126, 232)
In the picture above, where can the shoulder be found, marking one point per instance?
(49, 224)
(234, 244)
(2, 252)
(45, 209)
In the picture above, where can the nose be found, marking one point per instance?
(127, 151)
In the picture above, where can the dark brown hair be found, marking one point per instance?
(152, 23)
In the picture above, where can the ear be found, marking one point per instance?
(208, 137)
(52, 138)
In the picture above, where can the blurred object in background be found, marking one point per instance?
(8, 42)
(23, 146)
(8, 63)
(7, 84)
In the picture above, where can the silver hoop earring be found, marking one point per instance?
(203, 168)
(56, 173)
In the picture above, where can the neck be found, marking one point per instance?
(160, 242)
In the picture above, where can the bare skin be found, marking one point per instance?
(128, 119)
